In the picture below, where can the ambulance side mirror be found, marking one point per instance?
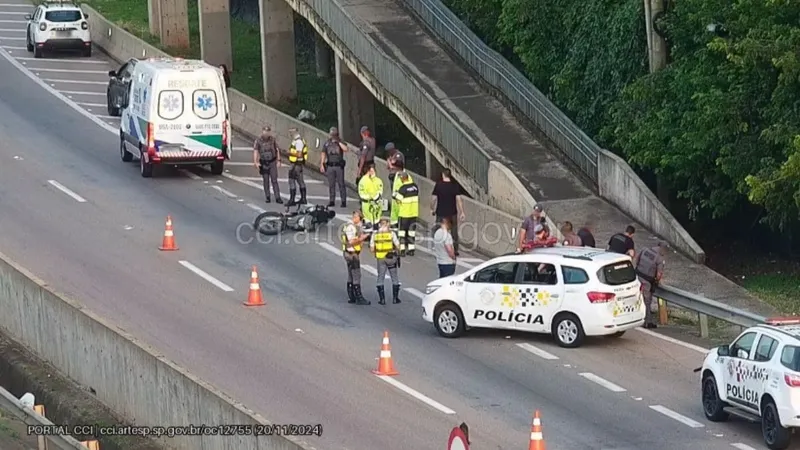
(723, 350)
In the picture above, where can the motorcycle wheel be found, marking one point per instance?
(309, 225)
(268, 223)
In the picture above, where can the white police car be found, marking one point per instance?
(58, 25)
(571, 292)
(757, 378)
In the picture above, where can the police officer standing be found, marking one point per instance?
(370, 191)
(366, 152)
(650, 268)
(332, 165)
(407, 196)
(395, 162)
(384, 246)
(298, 155)
(352, 238)
(267, 159)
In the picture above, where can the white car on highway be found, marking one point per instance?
(571, 292)
(757, 378)
(58, 25)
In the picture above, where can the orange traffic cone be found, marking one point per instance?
(385, 364)
(91, 445)
(254, 297)
(537, 440)
(168, 244)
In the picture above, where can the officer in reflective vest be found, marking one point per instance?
(384, 246)
(298, 155)
(407, 195)
(650, 268)
(332, 165)
(370, 190)
(352, 238)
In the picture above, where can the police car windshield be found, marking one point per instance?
(63, 16)
(621, 272)
(790, 358)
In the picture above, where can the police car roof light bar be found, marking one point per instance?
(787, 320)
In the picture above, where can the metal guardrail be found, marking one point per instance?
(401, 84)
(507, 79)
(12, 404)
(705, 308)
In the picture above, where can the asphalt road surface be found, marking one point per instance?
(86, 222)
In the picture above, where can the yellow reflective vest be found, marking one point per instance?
(407, 194)
(298, 155)
(384, 243)
(370, 188)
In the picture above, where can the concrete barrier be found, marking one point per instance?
(129, 377)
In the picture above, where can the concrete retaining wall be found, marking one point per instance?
(129, 377)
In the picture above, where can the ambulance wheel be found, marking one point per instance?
(112, 110)
(38, 52)
(448, 320)
(268, 223)
(28, 43)
(145, 168)
(217, 167)
(775, 435)
(87, 52)
(568, 330)
(712, 404)
(123, 152)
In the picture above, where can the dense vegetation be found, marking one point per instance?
(720, 125)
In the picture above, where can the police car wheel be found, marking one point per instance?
(568, 331)
(712, 404)
(449, 321)
(775, 435)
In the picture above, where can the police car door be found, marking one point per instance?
(538, 296)
(487, 305)
(738, 372)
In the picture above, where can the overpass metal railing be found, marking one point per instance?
(401, 84)
(11, 404)
(705, 308)
(506, 78)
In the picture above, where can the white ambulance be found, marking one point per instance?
(173, 112)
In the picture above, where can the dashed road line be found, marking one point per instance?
(415, 292)
(281, 180)
(675, 416)
(5, 38)
(283, 194)
(204, 275)
(256, 208)
(459, 262)
(13, 21)
(92, 105)
(67, 191)
(38, 69)
(663, 337)
(13, 30)
(224, 191)
(77, 61)
(83, 93)
(537, 351)
(602, 382)
(741, 446)
(184, 172)
(417, 395)
(59, 80)
(108, 117)
(11, 47)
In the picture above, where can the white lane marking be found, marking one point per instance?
(696, 348)
(602, 382)
(459, 262)
(242, 149)
(13, 30)
(417, 395)
(283, 194)
(537, 351)
(95, 105)
(3, 38)
(224, 191)
(14, 21)
(38, 69)
(415, 292)
(256, 208)
(338, 251)
(66, 61)
(239, 163)
(59, 80)
(675, 416)
(11, 47)
(741, 446)
(188, 174)
(282, 180)
(83, 93)
(200, 273)
(16, 5)
(67, 191)
(108, 117)
(471, 260)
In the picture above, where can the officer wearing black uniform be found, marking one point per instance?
(366, 152)
(332, 165)
(267, 159)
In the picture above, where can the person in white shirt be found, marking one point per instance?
(443, 249)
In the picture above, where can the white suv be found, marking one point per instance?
(571, 292)
(58, 26)
(757, 378)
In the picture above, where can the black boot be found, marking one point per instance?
(395, 293)
(351, 295)
(269, 200)
(331, 204)
(411, 253)
(360, 300)
(381, 295)
(292, 194)
(344, 204)
(303, 200)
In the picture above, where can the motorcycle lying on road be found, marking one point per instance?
(305, 218)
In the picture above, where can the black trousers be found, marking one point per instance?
(407, 233)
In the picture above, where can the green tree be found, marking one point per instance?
(721, 122)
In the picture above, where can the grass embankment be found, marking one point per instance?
(779, 290)
(315, 94)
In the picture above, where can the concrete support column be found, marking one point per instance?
(433, 169)
(215, 32)
(354, 103)
(277, 51)
(174, 23)
(323, 54)
(154, 17)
